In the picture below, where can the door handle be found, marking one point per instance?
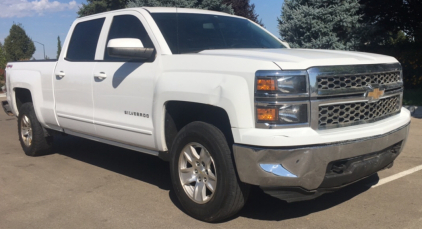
(100, 75)
(61, 74)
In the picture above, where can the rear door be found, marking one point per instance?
(123, 90)
(73, 80)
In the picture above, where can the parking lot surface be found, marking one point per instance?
(86, 184)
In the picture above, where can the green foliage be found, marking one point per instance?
(385, 18)
(243, 8)
(99, 6)
(59, 47)
(410, 57)
(3, 59)
(18, 46)
(216, 5)
(394, 28)
(3, 63)
(322, 24)
(412, 97)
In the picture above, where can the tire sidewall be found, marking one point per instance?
(204, 137)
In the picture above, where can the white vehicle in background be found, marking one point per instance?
(220, 98)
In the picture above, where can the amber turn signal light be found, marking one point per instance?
(267, 114)
(265, 85)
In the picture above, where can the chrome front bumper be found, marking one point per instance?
(309, 167)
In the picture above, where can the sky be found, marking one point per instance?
(45, 20)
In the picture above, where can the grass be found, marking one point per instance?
(412, 97)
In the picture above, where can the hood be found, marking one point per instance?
(296, 59)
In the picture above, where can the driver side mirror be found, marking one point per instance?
(128, 48)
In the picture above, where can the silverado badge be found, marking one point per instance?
(374, 93)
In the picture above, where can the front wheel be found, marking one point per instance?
(203, 173)
(31, 133)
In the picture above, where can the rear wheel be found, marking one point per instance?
(32, 137)
(203, 173)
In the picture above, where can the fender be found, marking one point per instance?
(207, 84)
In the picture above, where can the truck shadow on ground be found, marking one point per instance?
(154, 171)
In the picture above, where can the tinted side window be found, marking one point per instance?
(127, 26)
(83, 42)
(190, 33)
(167, 22)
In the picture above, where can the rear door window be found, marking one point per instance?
(84, 40)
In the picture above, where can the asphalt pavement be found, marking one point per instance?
(87, 184)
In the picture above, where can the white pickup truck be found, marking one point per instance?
(225, 101)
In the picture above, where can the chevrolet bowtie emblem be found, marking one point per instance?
(375, 94)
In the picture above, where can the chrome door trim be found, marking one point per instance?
(75, 118)
(146, 132)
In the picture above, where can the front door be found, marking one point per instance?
(123, 89)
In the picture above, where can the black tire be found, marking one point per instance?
(40, 143)
(230, 193)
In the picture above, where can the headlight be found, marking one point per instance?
(282, 82)
(282, 99)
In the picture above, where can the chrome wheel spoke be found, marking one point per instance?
(205, 157)
(211, 184)
(26, 121)
(187, 157)
(187, 176)
(194, 153)
(199, 192)
(188, 179)
(187, 170)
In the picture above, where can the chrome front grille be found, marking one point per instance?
(358, 80)
(352, 113)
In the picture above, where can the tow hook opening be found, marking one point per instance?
(339, 167)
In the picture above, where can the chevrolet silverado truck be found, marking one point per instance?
(227, 103)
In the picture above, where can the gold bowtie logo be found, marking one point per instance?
(375, 94)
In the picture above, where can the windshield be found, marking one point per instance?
(187, 33)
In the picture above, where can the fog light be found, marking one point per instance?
(277, 169)
(266, 114)
(293, 113)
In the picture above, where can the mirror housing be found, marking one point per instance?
(128, 48)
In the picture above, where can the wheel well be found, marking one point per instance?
(179, 114)
(22, 96)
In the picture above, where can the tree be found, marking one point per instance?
(243, 8)
(3, 60)
(18, 46)
(59, 47)
(99, 6)
(324, 24)
(3, 63)
(216, 5)
(384, 19)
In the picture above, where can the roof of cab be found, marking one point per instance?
(162, 10)
(182, 10)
